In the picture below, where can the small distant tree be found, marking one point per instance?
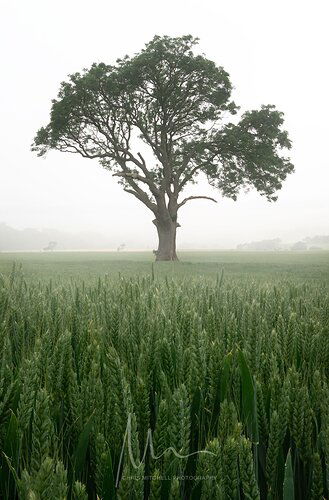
(319, 241)
(121, 247)
(263, 245)
(178, 104)
(299, 245)
(51, 246)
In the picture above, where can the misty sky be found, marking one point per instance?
(276, 52)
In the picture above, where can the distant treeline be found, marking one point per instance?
(51, 239)
(33, 239)
(308, 243)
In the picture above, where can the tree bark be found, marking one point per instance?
(166, 228)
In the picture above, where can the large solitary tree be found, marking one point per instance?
(177, 104)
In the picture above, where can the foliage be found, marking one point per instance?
(239, 370)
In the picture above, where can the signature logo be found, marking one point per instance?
(149, 444)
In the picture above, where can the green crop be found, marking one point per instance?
(139, 388)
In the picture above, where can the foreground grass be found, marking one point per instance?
(235, 367)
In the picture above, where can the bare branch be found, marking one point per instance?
(196, 198)
(134, 175)
(139, 193)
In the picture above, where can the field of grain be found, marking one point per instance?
(221, 361)
(89, 266)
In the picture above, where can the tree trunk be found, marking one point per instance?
(167, 239)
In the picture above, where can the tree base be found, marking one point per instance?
(163, 258)
(167, 240)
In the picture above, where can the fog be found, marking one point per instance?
(274, 51)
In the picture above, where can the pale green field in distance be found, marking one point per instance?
(207, 264)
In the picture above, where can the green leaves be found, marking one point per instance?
(174, 100)
(288, 484)
(225, 376)
(9, 458)
(79, 456)
(249, 409)
(249, 154)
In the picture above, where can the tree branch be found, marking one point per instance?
(196, 198)
(133, 175)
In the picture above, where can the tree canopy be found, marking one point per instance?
(179, 104)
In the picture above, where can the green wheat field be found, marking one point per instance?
(202, 379)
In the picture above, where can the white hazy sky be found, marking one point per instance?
(275, 51)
